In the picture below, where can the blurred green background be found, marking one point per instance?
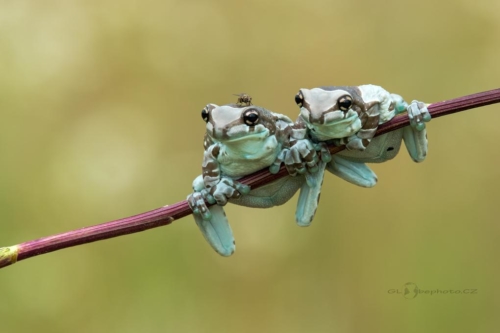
(100, 104)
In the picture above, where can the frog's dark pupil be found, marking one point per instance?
(345, 103)
(298, 99)
(251, 118)
(204, 115)
(390, 148)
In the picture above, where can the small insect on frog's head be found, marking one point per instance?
(232, 123)
(330, 112)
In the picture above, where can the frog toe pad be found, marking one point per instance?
(418, 114)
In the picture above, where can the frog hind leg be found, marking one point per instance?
(213, 225)
(416, 143)
(217, 231)
(353, 172)
(309, 196)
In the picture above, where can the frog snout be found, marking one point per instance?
(218, 132)
(317, 121)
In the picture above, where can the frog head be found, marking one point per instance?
(245, 128)
(331, 112)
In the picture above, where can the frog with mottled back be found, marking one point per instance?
(350, 116)
(241, 139)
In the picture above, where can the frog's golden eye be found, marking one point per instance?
(204, 114)
(251, 117)
(344, 102)
(299, 99)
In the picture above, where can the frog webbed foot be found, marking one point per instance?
(418, 114)
(298, 159)
(226, 189)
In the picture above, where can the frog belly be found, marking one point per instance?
(380, 149)
(273, 194)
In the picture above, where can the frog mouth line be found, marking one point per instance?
(335, 129)
(243, 137)
(341, 122)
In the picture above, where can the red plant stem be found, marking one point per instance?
(166, 215)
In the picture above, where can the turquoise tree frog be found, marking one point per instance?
(239, 140)
(351, 116)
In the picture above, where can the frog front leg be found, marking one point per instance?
(370, 120)
(415, 135)
(356, 173)
(219, 187)
(214, 188)
(301, 158)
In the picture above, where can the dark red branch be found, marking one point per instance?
(166, 215)
(446, 107)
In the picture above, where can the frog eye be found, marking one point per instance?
(251, 117)
(344, 102)
(204, 114)
(299, 99)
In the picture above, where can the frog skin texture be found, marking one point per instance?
(351, 116)
(241, 139)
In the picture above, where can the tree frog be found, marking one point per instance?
(239, 140)
(351, 116)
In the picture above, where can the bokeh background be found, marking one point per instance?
(100, 104)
